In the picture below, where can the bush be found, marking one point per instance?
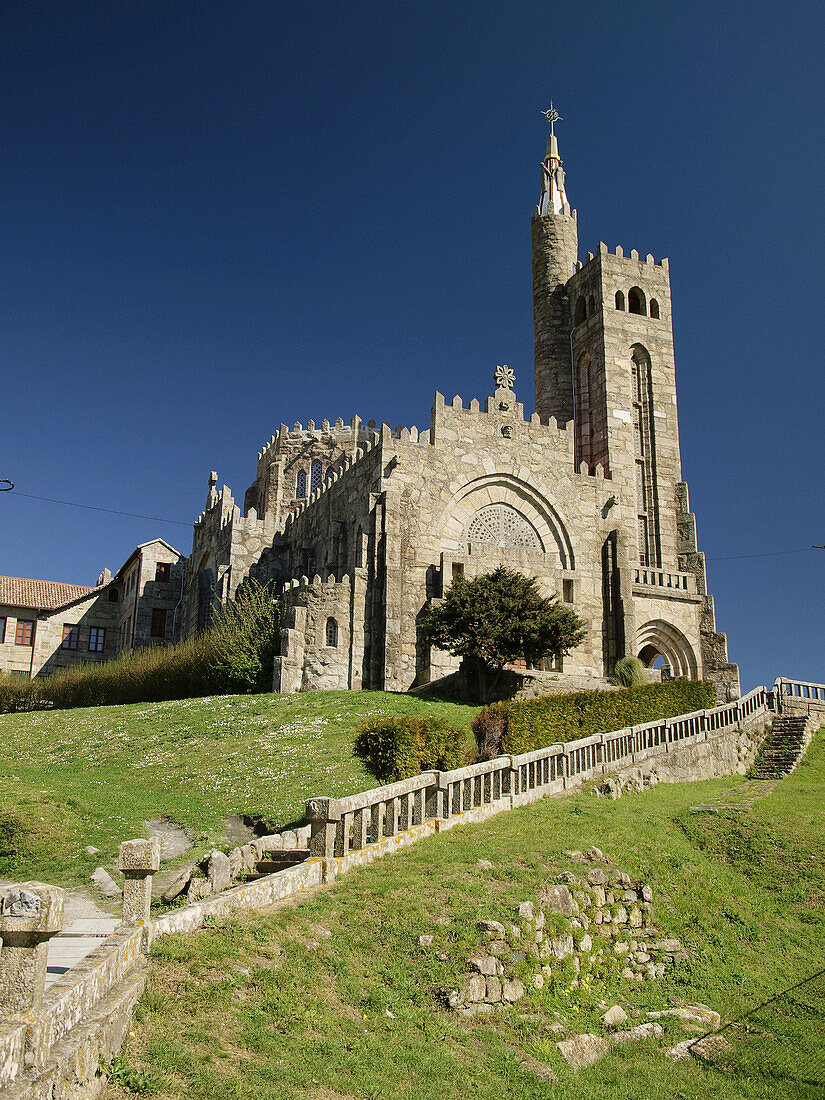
(629, 672)
(537, 723)
(395, 748)
(232, 657)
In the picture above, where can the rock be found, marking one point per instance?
(176, 883)
(538, 981)
(493, 994)
(497, 947)
(697, 1014)
(646, 892)
(582, 1050)
(475, 1010)
(302, 835)
(273, 842)
(614, 1017)
(639, 1032)
(620, 916)
(586, 943)
(474, 989)
(442, 956)
(198, 888)
(712, 1049)
(538, 1069)
(567, 877)
(562, 946)
(90, 850)
(512, 990)
(217, 871)
(249, 858)
(634, 918)
(484, 865)
(597, 877)
(526, 911)
(105, 883)
(425, 941)
(451, 997)
(491, 926)
(558, 899)
(289, 840)
(575, 855)
(628, 974)
(486, 965)
(235, 863)
(596, 855)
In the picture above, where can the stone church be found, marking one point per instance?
(363, 526)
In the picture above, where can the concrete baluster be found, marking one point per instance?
(324, 815)
(30, 914)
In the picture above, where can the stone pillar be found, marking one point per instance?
(323, 814)
(30, 914)
(138, 860)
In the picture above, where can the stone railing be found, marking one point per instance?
(653, 577)
(434, 800)
(55, 1041)
(799, 696)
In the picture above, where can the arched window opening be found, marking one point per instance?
(316, 475)
(581, 310)
(301, 484)
(654, 308)
(591, 306)
(328, 474)
(619, 300)
(332, 633)
(636, 301)
(647, 497)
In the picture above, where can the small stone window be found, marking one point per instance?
(636, 301)
(654, 309)
(114, 595)
(619, 300)
(332, 633)
(301, 485)
(581, 310)
(567, 590)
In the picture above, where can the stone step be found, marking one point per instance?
(278, 861)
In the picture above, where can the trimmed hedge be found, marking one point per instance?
(396, 748)
(516, 727)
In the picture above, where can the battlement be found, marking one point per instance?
(299, 585)
(618, 253)
(356, 431)
(503, 410)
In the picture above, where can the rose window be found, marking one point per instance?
(502, 526)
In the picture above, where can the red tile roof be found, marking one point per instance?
(40, 595)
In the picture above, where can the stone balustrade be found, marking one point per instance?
(652, 577)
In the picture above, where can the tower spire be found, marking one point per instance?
(553, 196)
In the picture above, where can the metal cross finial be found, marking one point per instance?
(552, 116)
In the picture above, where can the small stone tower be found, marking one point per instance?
(555, 248)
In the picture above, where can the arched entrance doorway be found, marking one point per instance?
(659, 645)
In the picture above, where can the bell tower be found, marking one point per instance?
(555, 248)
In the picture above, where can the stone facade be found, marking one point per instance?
(47, 625)
(363, 527)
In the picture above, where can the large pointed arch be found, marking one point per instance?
(506, 489)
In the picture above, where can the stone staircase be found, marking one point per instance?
(784, 746)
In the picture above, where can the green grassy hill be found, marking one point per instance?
(333, 998)
(72, 778)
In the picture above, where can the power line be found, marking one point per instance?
(772, 554)
(97, 508)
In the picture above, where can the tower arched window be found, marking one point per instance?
(316, 475)
(581, 310)
(328, 474)
(654, 309)
(332, 633)
(301, 484)
(636, 301)
(619, 300)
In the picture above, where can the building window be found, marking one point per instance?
(316, 475)
(163, 571)
(301, 485)
(71, 636)
(97, 639)
(24, 633)
(636, 301)
(619, 300)
(2, 630)
(332, 632)
(581, 310)
(654, 309)
(114, 595)
(567, 590)
(158, 629)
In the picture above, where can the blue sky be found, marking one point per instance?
(215, 217)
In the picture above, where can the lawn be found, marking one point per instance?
(333, 998)
(72, 778)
